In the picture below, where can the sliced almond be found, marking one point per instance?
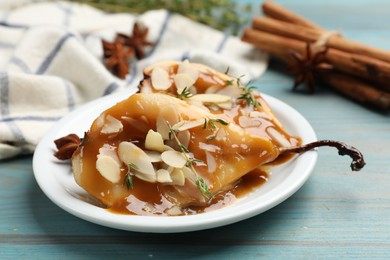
(183, 81)
(154, 156)
(167, 114)
(211, 98)
(255, 114)
(168, 148)
(109, 151)
(211, 90)
(187, 68)
(209, 147)
(111, 125)
(154, 141)
(146, 177)
(245, 121)
(174, 211)
(221, 134)
(197, 104)
(178, 177)
(184, 138)
(211, 163)
(160, 79)
(278, 137)
(163, 176)
(226, 105)
(129, 153)
(174, 158)
(231, 91)
(189, 124)
(166, 64)
(108, 168)
(189, 174)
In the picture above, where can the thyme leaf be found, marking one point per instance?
(247, 95)
(128, 181)
(202, 186)
(200, 182)
(186, 93)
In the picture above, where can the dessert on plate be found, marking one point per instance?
(181, 145)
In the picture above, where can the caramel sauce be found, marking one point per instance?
(152, 203)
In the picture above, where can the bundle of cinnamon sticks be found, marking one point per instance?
(358, 71)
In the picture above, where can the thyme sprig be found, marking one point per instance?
(246, 90)
(210, 123)
(199, 181)
(186, 93)
(128, 181)
(247, 95)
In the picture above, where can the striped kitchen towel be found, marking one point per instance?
(51, 61)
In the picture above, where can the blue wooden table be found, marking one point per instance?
(337, 213)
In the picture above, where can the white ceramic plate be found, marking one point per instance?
(56, 180)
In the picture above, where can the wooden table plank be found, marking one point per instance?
(337, 213)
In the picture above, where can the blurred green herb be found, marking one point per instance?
(224, 15)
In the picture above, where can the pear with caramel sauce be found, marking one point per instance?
(175, 154)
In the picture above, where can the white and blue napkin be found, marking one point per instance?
(51, 61)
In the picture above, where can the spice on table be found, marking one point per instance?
(306, 67)
(66, 146)
(137, 40)
(117, 56)
(359, 72)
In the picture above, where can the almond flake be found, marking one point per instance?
(154, 141)
(278, 137)
(245, 122)
(184, 138)
(129, 153)
(198, 104)
(209, 147)
(187, 68)
(227, 105)
(211, 98)
(146, 177)
(170, 114)
(259, 114)
(111, 125)
(174, 211)
(174, 158)
(211, 90)
(189, 124)
(163, 176)
(183, 81)
(211, 163)
(178, 177)
(160, 79)
(108, 168)
(221, 134)
(154, 156)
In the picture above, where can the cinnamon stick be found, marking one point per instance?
(354, 64)
(357, 89)
(273, 44)
(309, 34)
(352, 87)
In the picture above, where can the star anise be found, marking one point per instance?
(66, 146)
(137, 40)
(306, 67)
(117, 56)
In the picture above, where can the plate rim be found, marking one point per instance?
(175, 224)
